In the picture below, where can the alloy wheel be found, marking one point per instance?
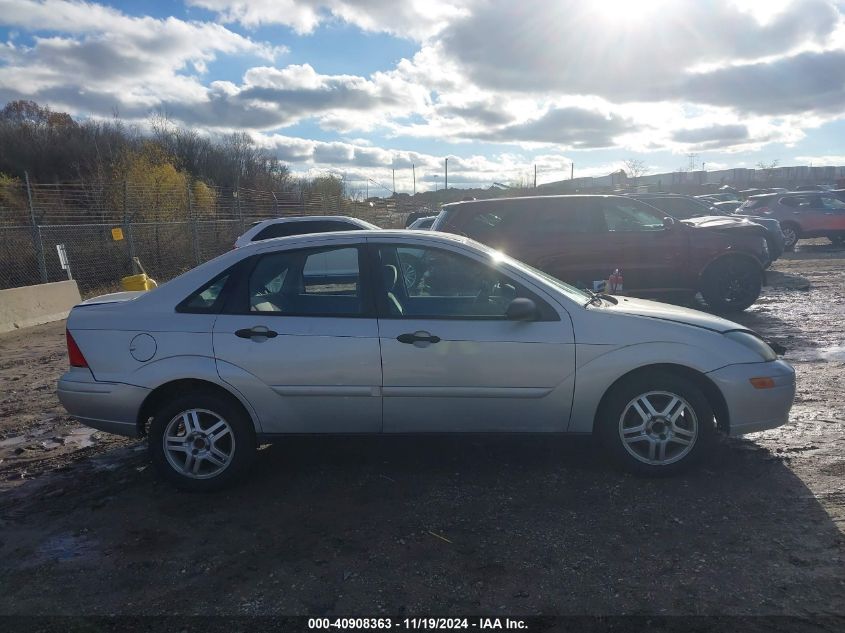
(658, 428)
(790, 237)
(198, 444)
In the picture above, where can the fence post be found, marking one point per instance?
(240, 211)
(193, 220)
(127, 226)
(36, 233)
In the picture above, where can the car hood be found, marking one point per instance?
(667, 312)
(722, 223)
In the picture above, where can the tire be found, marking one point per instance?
(731, 284)
(791, 235)
(660, 396)
(223, 445)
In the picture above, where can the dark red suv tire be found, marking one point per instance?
(731, 284)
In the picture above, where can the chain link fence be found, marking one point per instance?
(169, 228)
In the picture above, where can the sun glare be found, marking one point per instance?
(627, 10)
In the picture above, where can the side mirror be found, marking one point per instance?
(521, 309)
(668, 222)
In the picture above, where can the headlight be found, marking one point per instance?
(752, 342)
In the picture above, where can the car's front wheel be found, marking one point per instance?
(656, 423)
(201, 441)
(731, 284)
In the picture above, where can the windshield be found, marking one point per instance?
(571, 292)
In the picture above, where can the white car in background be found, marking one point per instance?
(299, 225)
(267, 340)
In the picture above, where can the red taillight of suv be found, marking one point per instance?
(74, 354)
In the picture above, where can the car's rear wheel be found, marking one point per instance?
(201, 441)
(655, 423)
(731, 284)
(791, 234)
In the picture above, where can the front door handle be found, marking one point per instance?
(417, 337)
(256, 331)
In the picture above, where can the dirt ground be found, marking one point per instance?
(437, 526)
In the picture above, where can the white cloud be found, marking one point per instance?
(412, 18)
(104, 59)
(360, 163)
(688, 75)
(821, 161)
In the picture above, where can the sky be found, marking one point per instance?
(366, 89)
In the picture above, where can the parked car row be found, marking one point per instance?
(683, 207)
(581, 239)
(802, 214)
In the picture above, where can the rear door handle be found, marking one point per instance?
(256, 331)
(417, 337)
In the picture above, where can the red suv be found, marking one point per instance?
(802, 214)
(583, 239)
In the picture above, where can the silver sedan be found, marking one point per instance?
(323, 333)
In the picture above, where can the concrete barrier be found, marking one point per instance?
(33, 305)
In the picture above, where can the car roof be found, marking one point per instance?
(305, 218)
(530, 198)
(342, 236)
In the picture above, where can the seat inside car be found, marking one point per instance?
(391, 276)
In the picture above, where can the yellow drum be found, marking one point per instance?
(138, 282)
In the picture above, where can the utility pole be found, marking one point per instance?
(414, 172)
(394, 182)
(535, 175)
(446, 185)
(692, 159)
(572, 171)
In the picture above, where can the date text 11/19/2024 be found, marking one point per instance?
(430, 624)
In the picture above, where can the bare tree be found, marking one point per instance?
(635, 168)
(768, 169)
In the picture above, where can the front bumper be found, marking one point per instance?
(750, 409)
(106, 406)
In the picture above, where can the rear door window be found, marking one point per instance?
(572, 216)
(311, 282)
(488, 225)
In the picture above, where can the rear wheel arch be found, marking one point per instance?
(174, 388)
(731, 256)
(700, 380)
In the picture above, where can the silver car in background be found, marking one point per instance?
(300, 225)
(272, 339)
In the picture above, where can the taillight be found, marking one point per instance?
(74, 354)
(765, 210)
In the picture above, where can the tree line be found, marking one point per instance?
(53, 147)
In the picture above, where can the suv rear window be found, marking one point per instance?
(286, 229)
